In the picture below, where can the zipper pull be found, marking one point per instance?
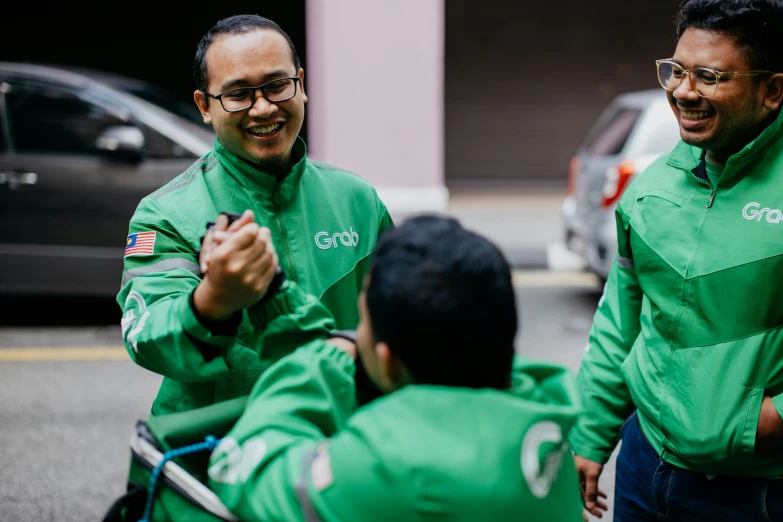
(712, 198)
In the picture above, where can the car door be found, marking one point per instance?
(65, 202)
(602, 150)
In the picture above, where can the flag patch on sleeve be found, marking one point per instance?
(140, 243)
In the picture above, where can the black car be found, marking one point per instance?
(78, 151)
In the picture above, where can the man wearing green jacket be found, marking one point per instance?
(688, 331)
(201, 333)
(467, 431)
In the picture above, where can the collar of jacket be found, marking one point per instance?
(256, 180)
(688, 157)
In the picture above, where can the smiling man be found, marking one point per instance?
(685, 357)
(198, 321)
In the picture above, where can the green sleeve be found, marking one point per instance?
(385, 220)
(777, 401)
(604, 394)
(258, 469)
(292, 318)
(159, 329)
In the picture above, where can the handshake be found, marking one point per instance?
(239, 266)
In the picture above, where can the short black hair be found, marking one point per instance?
(442, 298)
(756, 25)
(234, 25)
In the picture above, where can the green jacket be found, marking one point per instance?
(690, 327)
(324, 223)
(300, 451)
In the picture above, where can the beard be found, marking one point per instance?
(278, 167)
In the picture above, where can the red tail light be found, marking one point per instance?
(617, 179)
(573, 169)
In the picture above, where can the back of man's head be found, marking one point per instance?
(756, 25)
(441, 297)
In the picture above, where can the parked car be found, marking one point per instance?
(77, 154)
(633, 130)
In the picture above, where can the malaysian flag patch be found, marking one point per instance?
(140, 243)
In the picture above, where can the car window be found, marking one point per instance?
(3, 126)
(161, 147)
(659, 131)
(609, 139)
(164, 99)
(50, 119)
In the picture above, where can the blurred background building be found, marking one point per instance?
(412, 94)
(432, 101)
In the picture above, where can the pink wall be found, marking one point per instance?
(374, 80)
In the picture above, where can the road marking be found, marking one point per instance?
(550, 279)
(521, 279)
(559, 258)
(98, 353)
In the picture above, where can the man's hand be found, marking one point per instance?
(769, 434)
(239, 270)
(209, 244)
(588, 472)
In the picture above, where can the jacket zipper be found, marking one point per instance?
(681, 311)
(284, 236)
(704, 182)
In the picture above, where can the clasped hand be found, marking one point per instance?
(238, 262)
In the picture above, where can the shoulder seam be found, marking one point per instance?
(326, 166)
(186, 178)
(333, 168)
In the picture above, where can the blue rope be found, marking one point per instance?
(209, 444)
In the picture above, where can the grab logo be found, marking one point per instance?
(540, 478)
(754, 212)
(325, 240)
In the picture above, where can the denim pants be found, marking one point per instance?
(649, 489)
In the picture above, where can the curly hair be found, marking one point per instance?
(756, 25)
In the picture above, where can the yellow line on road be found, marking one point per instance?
(521, 279)
(98, 353)
(552, 278)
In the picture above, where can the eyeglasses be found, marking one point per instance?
(702, 80)
(243, 98)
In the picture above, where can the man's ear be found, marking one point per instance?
(393, 372)
(301, 84)
(774, 97)
(202, 102)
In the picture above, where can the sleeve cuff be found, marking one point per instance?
(777, 401)
(338, 357)
(221, 338)
(284, 302)
(585, 451)
(228, 327)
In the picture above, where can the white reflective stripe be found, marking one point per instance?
(625, 262)
(161, 266)
(130, 328)
(308, 509)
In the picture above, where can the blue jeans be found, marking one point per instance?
(649, 489)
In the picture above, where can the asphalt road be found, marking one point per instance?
(70, 399)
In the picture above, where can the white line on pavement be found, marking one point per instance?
(550, 279)
(97, 353)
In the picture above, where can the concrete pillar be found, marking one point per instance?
(374, 80)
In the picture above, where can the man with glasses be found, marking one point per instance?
(685, 358)
(192, 309)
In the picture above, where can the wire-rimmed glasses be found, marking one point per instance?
(703, 80)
